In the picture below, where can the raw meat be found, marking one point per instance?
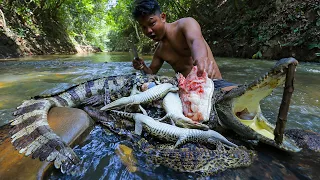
(196, 93)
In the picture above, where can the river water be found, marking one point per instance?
(24, 78)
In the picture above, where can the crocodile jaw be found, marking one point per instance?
(264, 130)
(258, 123)
(246, 107)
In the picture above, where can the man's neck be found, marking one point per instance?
(166, 29)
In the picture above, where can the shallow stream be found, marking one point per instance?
(24, 78)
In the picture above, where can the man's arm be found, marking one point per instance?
(156, 63)
(154, 66)
(192, 31)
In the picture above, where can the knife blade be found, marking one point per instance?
(134, 51)
(135, 55)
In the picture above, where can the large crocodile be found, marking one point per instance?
(32, 135)
(239, 109)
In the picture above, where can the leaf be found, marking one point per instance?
(291, 17)
(257, 55)
(311, 46)
(318, 22)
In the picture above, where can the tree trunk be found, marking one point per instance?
(3, 20)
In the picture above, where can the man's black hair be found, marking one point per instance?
(145, 8)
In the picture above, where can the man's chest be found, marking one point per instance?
(173, 51)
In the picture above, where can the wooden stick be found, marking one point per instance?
(284, 107)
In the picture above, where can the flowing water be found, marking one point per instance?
(22, 79)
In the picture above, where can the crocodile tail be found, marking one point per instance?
(124, 114)
(118, 103)
(31, 133)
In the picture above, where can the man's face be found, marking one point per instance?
(153, 26)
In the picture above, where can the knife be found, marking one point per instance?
(134, 51)
(135, 54)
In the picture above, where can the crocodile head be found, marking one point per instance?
(239, 109)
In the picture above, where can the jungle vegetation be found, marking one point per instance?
(234, 28)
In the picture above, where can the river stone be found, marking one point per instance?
(71, 124)
(305, 139)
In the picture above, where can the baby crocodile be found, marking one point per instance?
(151, 94)
(173, 133)
(173, 107)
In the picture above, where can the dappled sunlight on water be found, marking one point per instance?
(21, 79)
(5, 84)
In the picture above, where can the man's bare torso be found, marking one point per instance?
(175, 50)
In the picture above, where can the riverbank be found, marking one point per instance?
(244, 29)
(265, 29)
(39, 34)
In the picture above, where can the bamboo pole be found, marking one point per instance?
(284, 107)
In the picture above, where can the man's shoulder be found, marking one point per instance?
(186, 20)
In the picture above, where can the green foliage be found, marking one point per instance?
(124, 28)
(318, 22)
(244, 25)
(311, 46)
(257, 55)
(85, 21)
(21, 32)
(121, 26)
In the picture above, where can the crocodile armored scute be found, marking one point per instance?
(200, 160)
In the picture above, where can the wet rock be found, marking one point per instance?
(306, 139)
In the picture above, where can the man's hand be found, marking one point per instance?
(138, 64)
(206, 65)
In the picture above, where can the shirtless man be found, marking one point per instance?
(181, 44)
